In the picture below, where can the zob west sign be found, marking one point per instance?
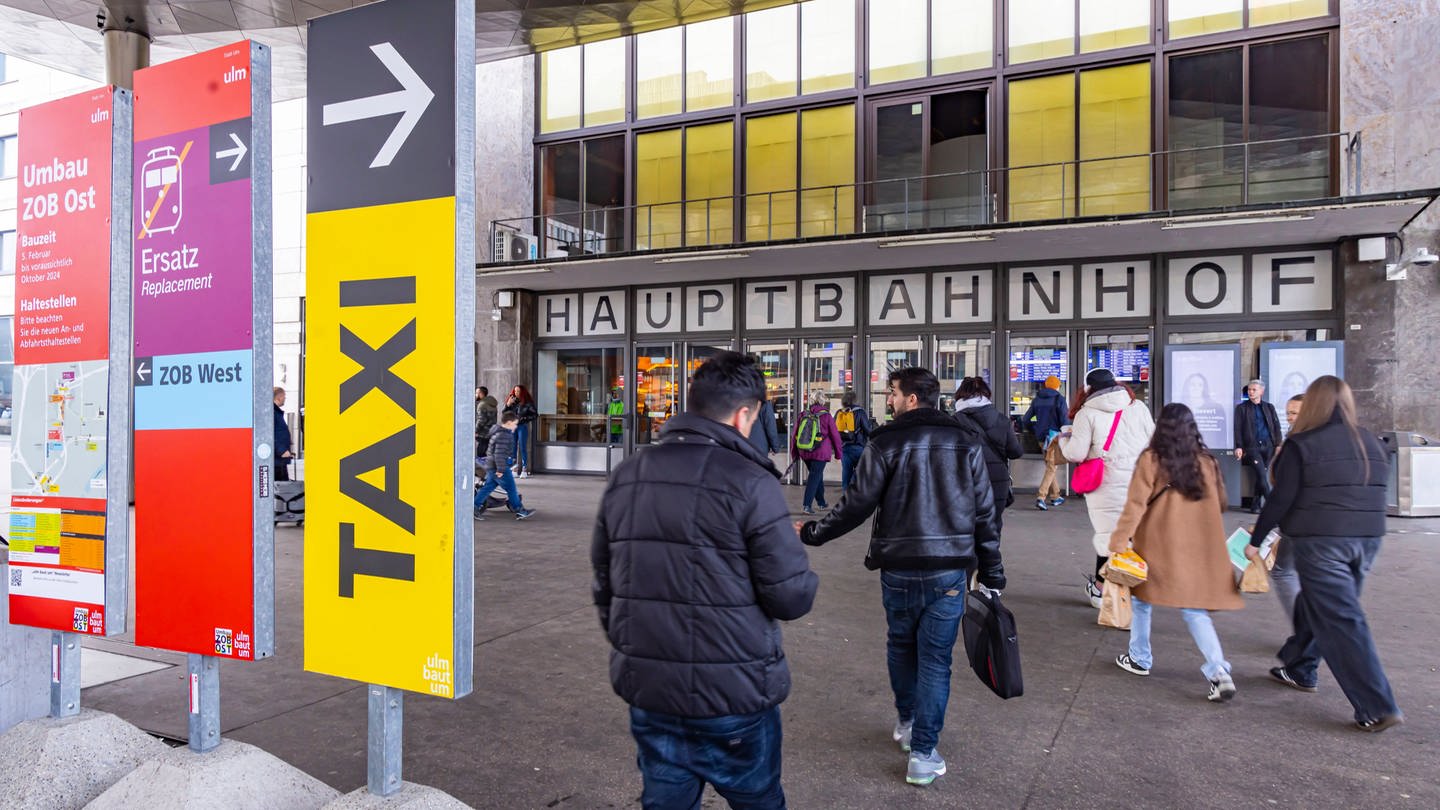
(389, 542)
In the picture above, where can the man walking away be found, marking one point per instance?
(487, 411)
(497, 464)
(1257, 431)
(1045, 416)
(695, 560)
(854, 425)
(924, 478)
(283, 443)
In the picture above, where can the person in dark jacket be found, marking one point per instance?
(523, 404)
(1329, 503)
(497, 465)
(283, 442)
(1257, 433)
(765, 436)
(974, 411)
(823, 447)
(1047, 414)
(924, 479)
(695, 564)
(852, 442)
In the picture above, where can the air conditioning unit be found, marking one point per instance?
(511, 245)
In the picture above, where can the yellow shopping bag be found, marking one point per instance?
(1126, 568)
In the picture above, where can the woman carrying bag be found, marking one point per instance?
(1173, 519)
(1111, 425)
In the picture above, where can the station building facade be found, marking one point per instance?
(1001, 188)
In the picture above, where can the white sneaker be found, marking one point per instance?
(902, 733)
(1092, 590)
(525, 474)
(1221, 689)
(924, 768)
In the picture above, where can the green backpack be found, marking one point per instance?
(807, 434)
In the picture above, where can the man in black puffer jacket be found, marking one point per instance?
(695, 561)
(924, 478)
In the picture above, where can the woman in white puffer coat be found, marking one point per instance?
(1104, 398)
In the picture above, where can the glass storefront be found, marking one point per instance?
(656, 392)
(576, 387)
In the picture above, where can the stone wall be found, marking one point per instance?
(1390, 92)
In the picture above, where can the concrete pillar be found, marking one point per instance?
(125, 53)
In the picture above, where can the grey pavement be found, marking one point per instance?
(544, 730)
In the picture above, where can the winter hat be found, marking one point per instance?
(1052, 382)
(1099, 378)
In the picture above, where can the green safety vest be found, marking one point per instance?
(616, 409)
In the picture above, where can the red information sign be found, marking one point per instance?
(62, 399)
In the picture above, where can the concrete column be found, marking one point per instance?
(125, 53)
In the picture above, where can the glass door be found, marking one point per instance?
(776, 361)
(887, 355)
(657, 396)
(1128, 358)
(929, 163)
(1034, 359)
(829, 370)
(958, 358)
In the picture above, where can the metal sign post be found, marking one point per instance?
(69, 518)
(390, 311)
(203, 424)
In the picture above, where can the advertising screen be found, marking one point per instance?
(1206, 378)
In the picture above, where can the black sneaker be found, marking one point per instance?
(1128, 664)
(1283, 675)
(480, 513)
(1380, 723)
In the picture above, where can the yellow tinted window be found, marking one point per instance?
(709, 184)
(961, 35)
(657, 189)
(770, 177)
(1115, 121)
(1042, 131)
(657, 73)
(897, 40)
(710, 64)
(1189, 18)
(1106, 24)
(560, 90)
(827, 171)
(771, 63)
(1268, 12)
(827, 45)
(604, 95)
(1041, 29)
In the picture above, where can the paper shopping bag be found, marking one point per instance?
(1115, 606)
(1255, 579)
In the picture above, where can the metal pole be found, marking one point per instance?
(204, 702)
(1245, 175)
(384, 749)
(64, 674)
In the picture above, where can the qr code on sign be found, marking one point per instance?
(17, 577)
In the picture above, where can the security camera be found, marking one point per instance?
(1424, 258)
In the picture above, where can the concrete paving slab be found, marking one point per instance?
(53, 763)
(98, 666)
(543, 728)
(233, 776)
(409, 797)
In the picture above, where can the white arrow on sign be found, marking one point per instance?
(238, 152)
(411, 102)
(141, 371)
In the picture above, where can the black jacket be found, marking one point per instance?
(1324, 488)
(765, 436)
(695, 559)
(924, 478)
(1245, 438)
(1049, 411)
(999, 443)
(282, 432)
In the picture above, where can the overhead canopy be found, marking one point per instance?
(65, 34)
(1234, 229)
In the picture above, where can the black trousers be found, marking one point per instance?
(282, 469)
(1257, 460)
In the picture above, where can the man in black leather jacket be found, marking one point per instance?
(924, 478)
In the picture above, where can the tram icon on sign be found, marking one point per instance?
(161, 204)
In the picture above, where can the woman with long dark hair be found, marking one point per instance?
(1173, 519)
(975, 411)
(1329, 503)
(523, 405)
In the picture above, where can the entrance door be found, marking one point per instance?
(776, 361)
(829, 369)
(1032, 360)
(887, 355)
(1127, 356)
(929, 164)
(958, 358)
(657, 396)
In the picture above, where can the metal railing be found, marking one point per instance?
(1278, 170)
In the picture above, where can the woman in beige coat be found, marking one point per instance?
(1173, 519)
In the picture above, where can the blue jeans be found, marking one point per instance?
(739, 754)
(500, 476)
(1283, 579)
(1329, 622)
(815, 483)
(1201, 629)
(923, 609)
(522, 445)
(849, 455)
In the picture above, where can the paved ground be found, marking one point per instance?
(544, 730)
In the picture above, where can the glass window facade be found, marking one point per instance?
(658, 176)
(1269, 12)
(1107, 24)
(1206, 114)
(710, 64)
(1191, 18)
(827, 45)
(1042, 134)
(604, 96)
(955, 48)
(1115, 123)
(1041, 29)
(710, 184)
(957, 33)
(827, 171)
(771, 155)
(572, 400)
(772, 60)
(7, 372)
(897, 40)
(659, 65)
(560, 90)
(7, 253)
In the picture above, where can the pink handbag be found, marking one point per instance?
(1090, 473)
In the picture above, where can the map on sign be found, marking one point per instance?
(67, 458)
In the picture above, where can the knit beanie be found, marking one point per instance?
(1052, 382)
(1099, 378)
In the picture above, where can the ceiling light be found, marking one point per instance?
(702, 257)
(514, 271)
(938, 240)
(1180, 224)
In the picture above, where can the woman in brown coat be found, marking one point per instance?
(1172, 517)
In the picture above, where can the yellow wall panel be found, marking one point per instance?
(1042, 131)
(827, 155)
(1114, 121)
(657, 180)
(770, 155)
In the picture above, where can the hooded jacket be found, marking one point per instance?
(500, 449)
(999, 444)
(1049, 412)
(695, 560)
(924, 478)
(1087, 440)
